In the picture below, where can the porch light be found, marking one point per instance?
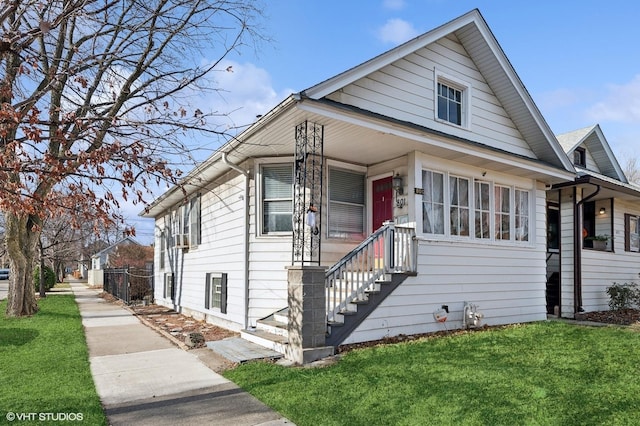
(603, 210)
(398, 185)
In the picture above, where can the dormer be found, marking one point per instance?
(590, 152)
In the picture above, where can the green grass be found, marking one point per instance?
(547, 373)
(44, 364)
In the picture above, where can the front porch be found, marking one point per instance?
(326, 305)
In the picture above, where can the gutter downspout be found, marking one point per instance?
(577, 249)
(247, 184)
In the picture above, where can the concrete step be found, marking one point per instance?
(266, 339)
(241, 350)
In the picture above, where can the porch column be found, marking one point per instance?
(307, 319)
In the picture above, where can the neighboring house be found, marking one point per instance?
(100, 260)
(438, 136)
(594, 227)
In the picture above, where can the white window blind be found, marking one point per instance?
(346, 204)
(277, 198)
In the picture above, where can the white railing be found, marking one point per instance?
(391, 249)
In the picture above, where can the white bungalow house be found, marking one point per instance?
(415, 183)
(594, 227)
(100, 260)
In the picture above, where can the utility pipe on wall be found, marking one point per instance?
(577, 269)
(247, 181)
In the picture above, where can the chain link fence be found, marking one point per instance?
(129, 284)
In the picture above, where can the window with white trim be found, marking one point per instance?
(163, 249)
(482, 210)
(449, 103)
(433, 202)
(277, 198)
(459, 206)
(522, 215)
(346, 204)
(186, 224)
(502, 200)
(216, 291)
(498, 212)
(452, 100)
(169, 289)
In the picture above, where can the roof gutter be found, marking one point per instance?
(234, 166)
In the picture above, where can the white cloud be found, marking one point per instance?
(621, 104)
(397, 31)
(245, 92)
(394, 4)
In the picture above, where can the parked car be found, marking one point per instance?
(4, 274)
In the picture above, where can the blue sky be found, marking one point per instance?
(579, 60)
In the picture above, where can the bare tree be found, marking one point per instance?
(631, 169)
(95, 105)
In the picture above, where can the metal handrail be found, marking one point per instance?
(389, 249)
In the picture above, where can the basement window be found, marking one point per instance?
(216, 291)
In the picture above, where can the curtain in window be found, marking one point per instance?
(433, 202)
(522, 215)
(277, 203)
(502, 200)
(634, 235)
(346, 204)
(482, 210)
(459, 206)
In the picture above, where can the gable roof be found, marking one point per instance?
(594, 141)
(483, 48)
(312, 104)
(128, 240)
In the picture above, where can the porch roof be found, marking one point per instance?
(609, 187)
(354, 136)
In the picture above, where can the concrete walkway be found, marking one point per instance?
(144, 379)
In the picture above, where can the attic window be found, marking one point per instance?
(449, 104)
(580, 157)
(451, 100)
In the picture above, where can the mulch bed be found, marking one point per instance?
(620, 317)
(180, 325)
(177, 325)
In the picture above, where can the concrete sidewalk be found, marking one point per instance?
(143, 379)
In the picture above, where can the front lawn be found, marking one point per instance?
(547, 373)
(44, 367)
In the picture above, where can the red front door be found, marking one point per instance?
(382, 212)
(382, 202)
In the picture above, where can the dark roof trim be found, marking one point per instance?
(588, 179)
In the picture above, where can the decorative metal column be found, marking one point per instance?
(307, 196)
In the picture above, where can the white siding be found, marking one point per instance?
(601, 269)
(221, 250)
(567, 227)
(590, 162)
(405, 90)
(270, 255)
(506, 280)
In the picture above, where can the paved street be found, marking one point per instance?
(4, 288)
